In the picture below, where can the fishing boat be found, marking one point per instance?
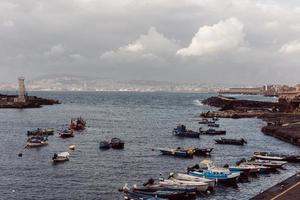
(179, 152)
(104, 145)
(218, 174)
(67, 133)
(251, 169)
(213, 124)
(77, 124)
(231, 141)
(203, 151)
(117, 143)
(61, 157)
(267, 163)
(211, 131)
(279, 157)
(186, 177)
(201, 186)
(181, 131)
(41, 132)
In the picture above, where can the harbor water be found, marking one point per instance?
(145, 122)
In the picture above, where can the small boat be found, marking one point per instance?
(61, 157)
(231, 141)
(36, 141)
(202, 151)
(211, 131)
(104, 145)
(41, 132)
(201, 186)
(222, 175)
(213, 125)
(179, 152)
(77, 124)
(181, 131)
(130, 195)
(66, 133)
(186, 177)
(72, 147)
(279, 157)
(203, 121)
(252, 169)
(267, 163)
(117, 143)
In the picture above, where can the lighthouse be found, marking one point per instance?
(21, 92)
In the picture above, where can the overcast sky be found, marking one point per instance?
(205, 41)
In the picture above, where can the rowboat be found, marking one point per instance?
(36, 141)
(104, 145)
(130, 195)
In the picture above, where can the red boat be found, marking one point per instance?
(77, 124)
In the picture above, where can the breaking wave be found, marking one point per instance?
(197, 103)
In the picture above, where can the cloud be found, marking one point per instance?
(148, 46)
(8, 23)
(76, 56)
(55, 50)
(291, 47)
(226, 35)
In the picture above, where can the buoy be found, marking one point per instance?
(72, 147)
(20, 154)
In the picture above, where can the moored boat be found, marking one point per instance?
(211, 131)
(77, 124)
(179, 152)
(213, 124)
(267, 163)
(186, 177)
(61, 157)
(201, 186)
(66, 133)
(36, 141)
(41, 132)
(104, 145)
(203, 151)
(215, 173)
(117, 143)
(231, 141)
(181, 131)
(279, 157)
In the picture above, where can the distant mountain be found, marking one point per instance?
(62, 82)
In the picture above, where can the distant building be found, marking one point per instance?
(245, 90)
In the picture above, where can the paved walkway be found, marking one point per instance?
(288, 189)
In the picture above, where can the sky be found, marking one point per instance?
(192, 41)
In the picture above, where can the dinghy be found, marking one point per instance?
(61, 157)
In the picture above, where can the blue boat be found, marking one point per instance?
(216, 173)
(179, 152)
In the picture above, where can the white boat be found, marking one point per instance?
(245, 168)
(268, 157)
(201, 186)
(61, 157)
(267, 163)
(186, 177)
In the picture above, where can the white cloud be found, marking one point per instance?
(55, 50)
(151, 45)
(8, 23)
(75, 56)
(272, 25)
(224, 36)
(291, 47)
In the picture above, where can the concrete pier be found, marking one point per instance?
(288, 189)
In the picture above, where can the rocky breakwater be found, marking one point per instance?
(10, 101)
(282, 122)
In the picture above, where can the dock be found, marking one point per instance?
(287, 189)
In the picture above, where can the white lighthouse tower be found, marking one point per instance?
(21, 92)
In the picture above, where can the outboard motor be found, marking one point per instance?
(149, 182)
(226, 166)
(54, 156)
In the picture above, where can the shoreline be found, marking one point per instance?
(280, 123)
